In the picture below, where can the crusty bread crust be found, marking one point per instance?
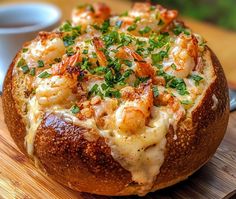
(69, 158)
(13, 118)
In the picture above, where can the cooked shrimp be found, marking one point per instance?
(90, 14)
(133, 114)
(140, 16)
(166, 99)
(98, 44)
(142, 68)
(183, 56)
(55, 90)
(67, 65)
(47, 47)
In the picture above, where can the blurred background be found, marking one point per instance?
(214, 19)
(218, 12)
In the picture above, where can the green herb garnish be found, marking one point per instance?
(40, 63)
(179, 85)
(21, 62)
(197, 79)
(75, 109)
(155, 91)
(25, 69)
(32, 72)
(186, 102)
(85, 51)
(158, 57)
(145, 30)
(25, 50)
(44, 74)
(132, 27)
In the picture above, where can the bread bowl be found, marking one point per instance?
(117, 107)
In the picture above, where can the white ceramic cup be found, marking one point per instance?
(20, 23)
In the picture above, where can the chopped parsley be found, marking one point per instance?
(128, 63)
(69, 40)
(25, 69)
(161, 22)
(180, 29)
(21, 62)
(137, 19)
(179, 85)
(144, 30)
(159, 41)
(40, 63)
(173, 66)
(85, 51)
(155, 91)
(132, 27)
(24, 50)
(140, 80)
(158, 57)
(186, 102)
(75, 109)
(70, 51)
(112, 93)
(105, 26)
(125, 39)
(197, 79)
(32, 72)
(44, 74)
(111, 38)
(67, 27)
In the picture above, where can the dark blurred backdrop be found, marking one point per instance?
(219, 12)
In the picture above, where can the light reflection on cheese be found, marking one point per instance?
(34, 119)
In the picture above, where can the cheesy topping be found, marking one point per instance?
(126, 78)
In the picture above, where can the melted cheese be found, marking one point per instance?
(143, 153)
(34, 119)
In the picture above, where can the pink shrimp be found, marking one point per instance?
(98, 44)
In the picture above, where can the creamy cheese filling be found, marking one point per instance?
(34, 119)
(142, 153)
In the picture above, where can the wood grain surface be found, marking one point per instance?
(20, 179)
(221, 41)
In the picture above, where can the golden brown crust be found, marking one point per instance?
(12, 114)
(205, 130)
(88, 166)
(68, 157)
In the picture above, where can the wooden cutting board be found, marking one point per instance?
(20, 179)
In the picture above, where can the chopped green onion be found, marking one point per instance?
(173, 66)
(40, 63)
(75, 109)
(21, 62)
(155, 91)
(85, 51)
(128, 63)
(25, 69)
(186, 102)
(158, 57)
(145, 30)
(132, 27)
(197, 79)
(24, 50)
(32, 72)
(44, 74)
